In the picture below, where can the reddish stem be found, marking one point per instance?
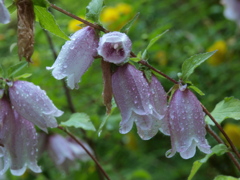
(86, 150)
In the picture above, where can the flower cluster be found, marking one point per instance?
(78, 54)
(20, 108)
(139, 99)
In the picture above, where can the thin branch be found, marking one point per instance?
(86, 150)
(220, 141)
(234, 149)
(96, 26)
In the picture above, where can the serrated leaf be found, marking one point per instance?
(79, 120)
(228, 108)
(219, 149)
(16, 68)
(153, 41)
(48, 22)
(94, 9)
(222, 177)
(129, 24)
(196, 89)
(191, 63)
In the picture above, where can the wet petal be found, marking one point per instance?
(187, 126)
(33, 104)
(4, 14)
(76, 56)
(114, 47)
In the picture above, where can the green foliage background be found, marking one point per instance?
(194, 26)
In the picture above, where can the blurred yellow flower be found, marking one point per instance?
(74, 25)
(220, 56)
(233, 132)
(115, 17)
(35, 59)
(131, 141)
(123, 8)
(161, 58)
(109, 15)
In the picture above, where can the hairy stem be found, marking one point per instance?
(86, 150)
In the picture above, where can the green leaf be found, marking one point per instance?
(153, 41)
(79, 120)
(219, 149)
(191, 63)
(129, 24)
(12, 7)
(221, 177)
(16, 68)
(228, 108)
(105, 119)
(48, 22)
(196, 89)
(23, 76)
(42, 3)
(94, 9)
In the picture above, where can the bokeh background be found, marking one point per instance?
(194, 27)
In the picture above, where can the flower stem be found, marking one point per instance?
(220, 141)
(96, 26)
(234, 149)
(86, 150)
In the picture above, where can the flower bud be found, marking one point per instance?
(33, 104)
(114, 47)
(139, 102)
(187, 125)
(4, 14)
(76, 56)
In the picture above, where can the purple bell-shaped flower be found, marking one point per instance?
(33, 104)
(76, 56)
(4, 14)
(114, 47)
(18, 139)
(140, 102)
(232, 10)
(187, 125)
(65, 151)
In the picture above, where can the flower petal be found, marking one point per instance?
(114, 47)
(187, 126)
(4, 14)
(76, 56)
(33, 104)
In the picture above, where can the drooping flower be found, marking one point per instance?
(187, 125)
(33, 104)
(231, 11)
(4, 14)
(18, 140)
(114, 47)
(65, 151)
(139, 102)
(76, 56)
